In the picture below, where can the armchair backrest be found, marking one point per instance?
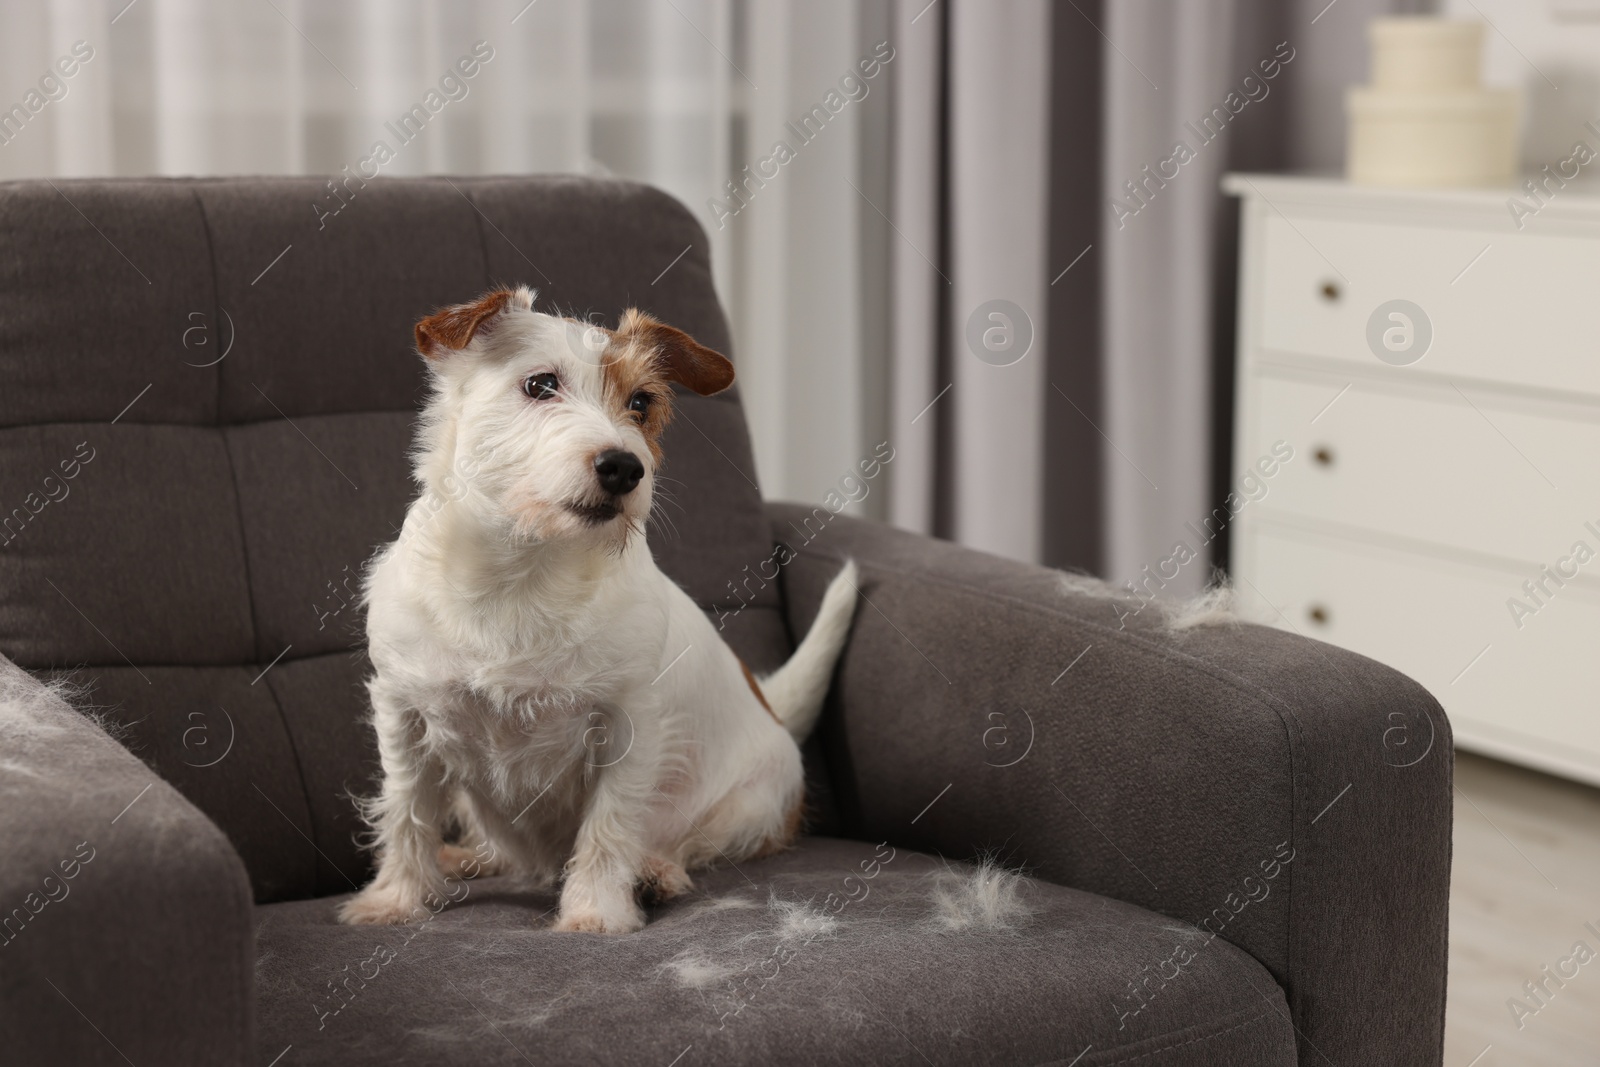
(207, 396)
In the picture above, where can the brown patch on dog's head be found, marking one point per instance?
(453, 328)
(683, 359)
(630, 373)
(644, 357)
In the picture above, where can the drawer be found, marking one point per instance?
(1519, 692)
(1522, 314)
(1505, 477)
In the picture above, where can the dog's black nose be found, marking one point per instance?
(618, 471)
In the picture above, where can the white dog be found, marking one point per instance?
(538, 679)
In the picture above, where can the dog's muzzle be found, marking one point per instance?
(617, 473)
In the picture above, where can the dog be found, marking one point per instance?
(538, 682)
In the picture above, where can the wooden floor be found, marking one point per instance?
(1526, 879)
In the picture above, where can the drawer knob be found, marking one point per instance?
(1323, 455)
(1318, 614)
(1331, 292)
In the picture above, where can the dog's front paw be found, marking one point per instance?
(376, 906)
(604, 905)
(597, 923)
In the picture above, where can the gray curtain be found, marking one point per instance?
(968, 368)
(1169, 238)
(1032, 158)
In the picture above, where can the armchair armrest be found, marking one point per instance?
(126, 924)
(1286, 795)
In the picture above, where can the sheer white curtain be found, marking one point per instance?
(683, 94)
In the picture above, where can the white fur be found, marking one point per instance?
(539, 675)
(985, 897)
(1218, 605)
(800, 920)
(698, 970)
(797, 689)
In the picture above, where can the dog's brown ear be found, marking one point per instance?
(685, 360)
(453, 328)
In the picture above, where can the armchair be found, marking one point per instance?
(1230, 861)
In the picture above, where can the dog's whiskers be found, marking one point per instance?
(662, 520)
(666, 496)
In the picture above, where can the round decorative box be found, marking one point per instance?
(1461, 137)
(1418, 52)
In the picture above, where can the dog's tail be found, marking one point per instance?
(797, 689)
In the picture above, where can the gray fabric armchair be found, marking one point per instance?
(1238, 840)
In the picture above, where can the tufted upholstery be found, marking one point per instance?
(233, 389)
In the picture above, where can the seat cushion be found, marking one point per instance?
(835, 951)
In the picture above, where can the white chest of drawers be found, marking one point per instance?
(1442, 512)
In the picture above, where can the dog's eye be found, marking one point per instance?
(541, 386)
(640, 404)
